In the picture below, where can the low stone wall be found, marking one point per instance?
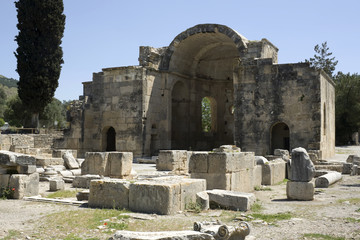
(163, 195)
(173, 160)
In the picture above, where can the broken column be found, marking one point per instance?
(326, 180)
(301, 171)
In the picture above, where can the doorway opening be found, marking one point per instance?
(280, 137)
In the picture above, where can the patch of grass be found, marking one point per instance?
(282, 182)
(351, 200)
(322, 236)
(63, 194)
(357, 210)
(262, 188)
(12, 234)
(193, 207)
(117, 226)
(256, 207)
(352, 220)
(270, 218)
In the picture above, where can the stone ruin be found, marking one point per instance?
(256, 103)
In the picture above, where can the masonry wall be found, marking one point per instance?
(266, 94)
(327, 144)
(114, 99)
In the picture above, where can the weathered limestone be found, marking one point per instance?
(301, 169)
(83, 195)
(44, 161)
(224, 170)
(326, 180)
(300, 190)
(83, 181)
(70, 161)
(260, 160)
(56, 185)
(27, 169)
(355, 170)
(109, 164)
(237, 201)
(8, 158)
(110, 193)
(283, 153)
(300, 172)
(347, 168)
(172, 160)
(58, 153)
(354, 159)
(273, 172)
(202, 199)
(164, 195)
(24, 185)
(169, 235)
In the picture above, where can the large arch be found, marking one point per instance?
(218, 33)
(203, 58)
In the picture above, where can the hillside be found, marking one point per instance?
(9, 82)
(9, 85)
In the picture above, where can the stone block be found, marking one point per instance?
(169, 235)
(354, 159)
(273, 172)
(237, 201)
(120, 164)
(48, 161)
(56, 185)
(301, 168)
(84, 180)
(355, 170)
(24, 185)
(76, 172)
(69, 160)
(58, 153)
(172, 160)
(215, 180)
(326, 180)
(95, 163)
(202, 199)
(4, 180)
(347, 168)
(257, 175)
(27, 169)
(300, 190)
(164, 195)
(198, 162)
(242, 181)
(109, 193)
(83, 195)
(66, 173)
(8, 158)
(283, 153)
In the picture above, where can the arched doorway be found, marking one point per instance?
(180, 117)
(110, 140)
(280, 137)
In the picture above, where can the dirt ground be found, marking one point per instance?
(335, 212)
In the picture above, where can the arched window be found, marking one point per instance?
(208, 114)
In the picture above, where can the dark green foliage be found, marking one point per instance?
(323, 60)
(9, 82)
(347, 110)
(15, 113)
(2, 102)
(54, 115)
(206, 114)
(39, 55)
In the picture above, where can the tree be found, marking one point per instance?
(323, 60)
(2, 101)
(54, 115)
(39, 54)
(15, 113)
(206, 114)
(347, 110)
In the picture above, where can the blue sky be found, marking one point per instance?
(108, 33)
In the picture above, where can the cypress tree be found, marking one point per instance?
(41, 25)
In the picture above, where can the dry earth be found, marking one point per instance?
(335, 212)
